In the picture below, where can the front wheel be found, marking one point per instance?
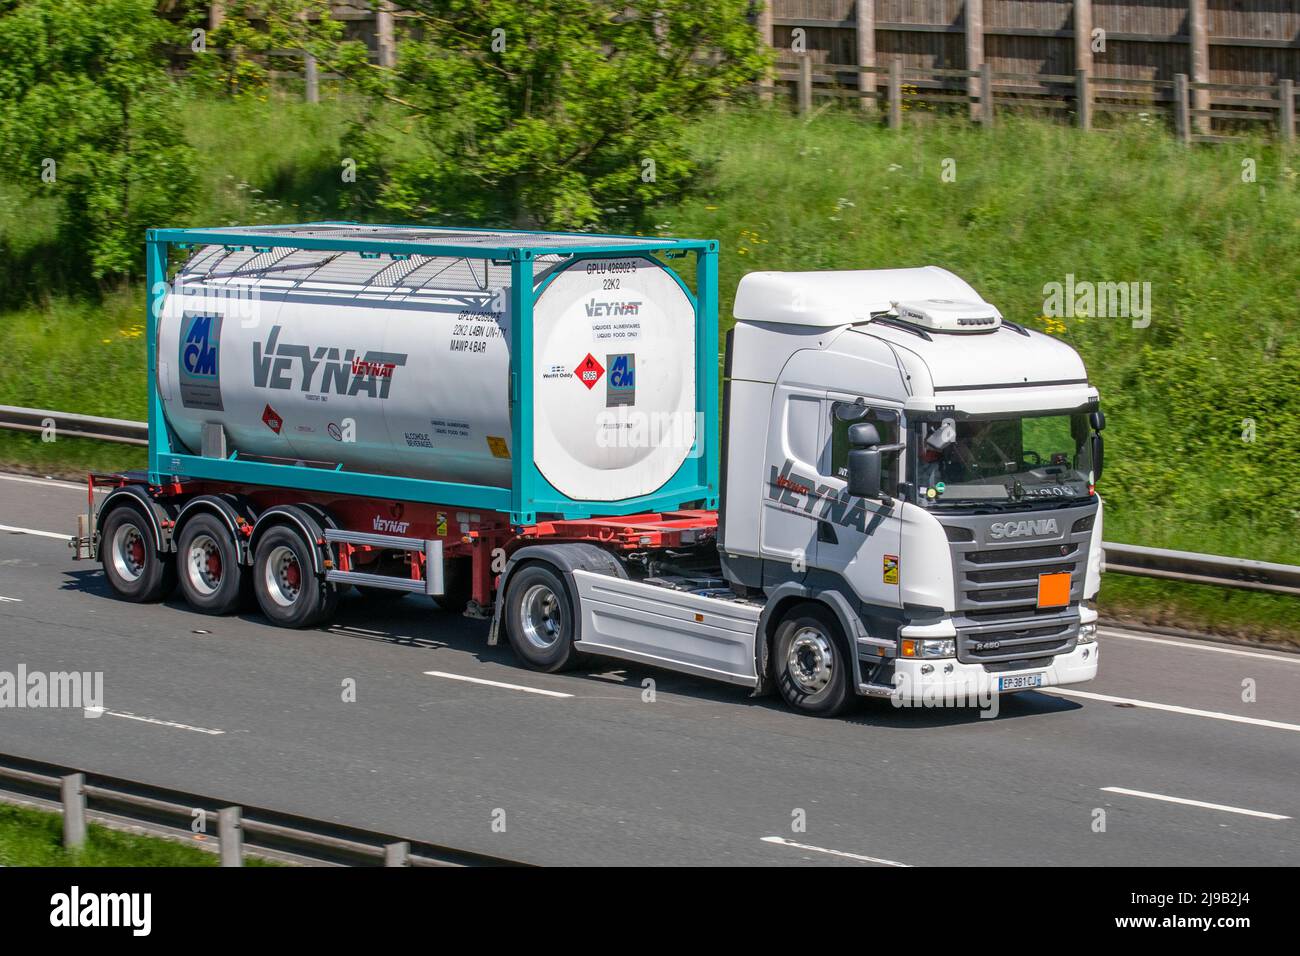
(812, 664)
(287, 588)
(540, 619)
(134, 566)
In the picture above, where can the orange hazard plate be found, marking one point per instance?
(1054, 589)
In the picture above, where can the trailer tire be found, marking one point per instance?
(810, 657)
(134, 566)
(207, 566)
(285, 583)
(540, 618)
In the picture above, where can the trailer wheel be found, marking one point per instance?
(539, 618)
(132, 563)
(287, 589)
(208, 568)
(811, 661)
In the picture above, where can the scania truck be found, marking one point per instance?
(897, 500)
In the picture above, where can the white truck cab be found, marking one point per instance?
(901, 454)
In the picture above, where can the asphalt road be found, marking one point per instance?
(593, 773)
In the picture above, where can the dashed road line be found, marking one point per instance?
(1213, 648)
(42, 534)
(497, 683)
(47, 482)
(9, 600)
(1171, 708)
(782, 841)
(1195, 803)
(155, 720)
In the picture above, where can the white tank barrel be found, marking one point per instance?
(402, 366)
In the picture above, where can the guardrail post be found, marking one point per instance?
(397, 854)
(230, 830)
(805, 84)
(1286, 110)
(72, 788)
(986, 94)
(1182, 124)
(1082, 99)
(896, 93)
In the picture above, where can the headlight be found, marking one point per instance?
(1087, 633)
(937, 647)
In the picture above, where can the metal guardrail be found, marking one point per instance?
(1187, 566)
(174, 812)
(68, 425)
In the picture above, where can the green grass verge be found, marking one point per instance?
(31, 837)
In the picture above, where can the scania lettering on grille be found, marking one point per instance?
(804, 494)
(1023, 529)
(323, 368)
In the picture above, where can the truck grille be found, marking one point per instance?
(998, 618)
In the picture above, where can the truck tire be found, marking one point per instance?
(207, 566)
(135, 568)
(811, 662)
(287, 589)
(540, 619)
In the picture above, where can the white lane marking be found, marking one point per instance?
(42, 534)
(1215, 648)
(782, 841)
(1195, 803)
(48, 482)
(497, 683)
(9, 600)
(1171, 708)
(153, 720)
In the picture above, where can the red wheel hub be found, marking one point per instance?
(292, 575)
(137, 552)
(214, 566)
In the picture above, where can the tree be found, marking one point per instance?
(88, 112)
(562, 113)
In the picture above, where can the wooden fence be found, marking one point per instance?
(1233, 107)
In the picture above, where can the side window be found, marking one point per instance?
(886, 422)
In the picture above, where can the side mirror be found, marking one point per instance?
(863, 435)
(1098, 457)
(1097, 420)
(864, 473)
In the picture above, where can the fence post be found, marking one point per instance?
(1199, 40)
(986, 94)
(1182, 127)
(865, 15)
(72, 788)
(384, 41)
(230, 830)
(805, 84)
(765, 84)
(1083, 36)
(397, 854)
(1083, 99)
(896, 93)
(1286, 109)
(312, 77)
(974, 11)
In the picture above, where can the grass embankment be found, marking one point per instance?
(35, 838)
(1031, 203)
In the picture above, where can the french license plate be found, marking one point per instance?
(1020, 681)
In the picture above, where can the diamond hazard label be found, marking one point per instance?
(589, 371)
(272, 420)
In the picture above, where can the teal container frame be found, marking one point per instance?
(530, 496)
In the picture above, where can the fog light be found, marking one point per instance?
(927, 668)
(1087, 633)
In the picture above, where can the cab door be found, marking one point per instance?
(858, 539)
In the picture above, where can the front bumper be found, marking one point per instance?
(949, 682)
